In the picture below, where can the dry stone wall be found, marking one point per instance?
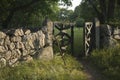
(18, 45)
(106, 36)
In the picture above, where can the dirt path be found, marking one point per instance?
(91, 71)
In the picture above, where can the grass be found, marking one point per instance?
(78, 41)
(45, 70)
(108, 62)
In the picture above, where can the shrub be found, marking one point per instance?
(108, 61)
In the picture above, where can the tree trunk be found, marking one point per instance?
(111, 8)
(103, 11)
(100, 15)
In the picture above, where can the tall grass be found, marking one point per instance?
(108, 62)
(45, 70)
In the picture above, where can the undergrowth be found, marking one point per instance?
(108, 61)
(45, 70)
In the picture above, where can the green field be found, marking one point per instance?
(78, 41)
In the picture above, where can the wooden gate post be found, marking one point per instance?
(97, 33)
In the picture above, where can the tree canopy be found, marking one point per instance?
(24, 11)
(105, 9)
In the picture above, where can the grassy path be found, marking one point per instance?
(91, 71)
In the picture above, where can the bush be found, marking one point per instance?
(45, 70)
(80, 22)
(108, 61)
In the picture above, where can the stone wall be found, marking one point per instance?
(107, 38)
(17, 45)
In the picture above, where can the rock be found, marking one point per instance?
(27, 58)
(25, 53)
(113, 42)
(29, 45)
(20, 45)
(2, 35)
(48, 26)
(18, 32)
(41, 39)
(2, 49)
(6, 47)
(27, 37)
(34, 36)
(46, 53)
(2, 62)
(32, 52)
(12, 62)
(7, 40)
(1, 42)
(48, 39)
(16, 54)
(16, 39)
(27, 32)
(116, 33)
(8, 55)
(12, 46)
(48, 30)
(106, 39)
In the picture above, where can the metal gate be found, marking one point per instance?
(62, 37)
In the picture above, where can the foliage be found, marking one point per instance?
(65, 15)
(106, 11)
(45, 70)
(80, 22)
(26, 12)
(108, 61)
(83, 13)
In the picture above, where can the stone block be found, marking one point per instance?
(2, 62)
(2, 49)
(18, 32)
(12, 46)
(15, 54)
(2, 35)
(8, 55)
(16, 39)
(20, 45)
(29, 45)
(25, 53)
(12, 62)
(27, 32)
(1, 42)
(46, 53)
(27, 58)
(7, 40)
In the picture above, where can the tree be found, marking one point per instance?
(65, 15)
(82, 13)
(106, 10)
(9, 9)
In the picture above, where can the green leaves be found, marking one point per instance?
(13, 9)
